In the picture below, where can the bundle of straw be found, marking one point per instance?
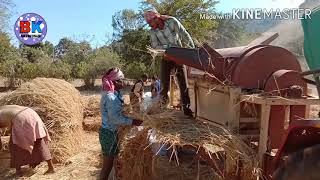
(58, 104)
(91, 113)
(176, 131)
(136, 161)
(135, 158)
(91, 106)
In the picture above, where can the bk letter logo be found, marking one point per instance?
(25, 26)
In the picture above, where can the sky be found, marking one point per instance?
(91, 20)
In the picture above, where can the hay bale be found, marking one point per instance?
(92, 123)
(59, 105)
(91, 113)
(5, 143)
(136, 161)
(91, 105)
(177, 132)
(189, 170)
(135, 158)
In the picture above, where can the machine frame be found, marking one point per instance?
(221, 105)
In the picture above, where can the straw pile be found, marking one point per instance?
(91, 113)
(91, 105)
(176, 131)
(59, 105)
(135, 159)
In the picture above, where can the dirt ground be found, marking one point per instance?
(85, 165)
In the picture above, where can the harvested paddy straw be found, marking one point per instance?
(91, 113)
(59, 105)
(91, 105)
(211, 146)
(135, 159)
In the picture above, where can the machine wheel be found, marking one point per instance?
(301, 165)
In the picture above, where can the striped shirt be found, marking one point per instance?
(173, 34)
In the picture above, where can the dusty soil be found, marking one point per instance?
(85, 165)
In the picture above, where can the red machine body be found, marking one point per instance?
(246, 67)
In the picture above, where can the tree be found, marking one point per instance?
(60, 69)
(135, 70)
(126, 20)
(48, 48)
(73, 53)
(12, 69)
(5, 6)
(102, 60)
(188, 13)
(131, 37)
(63, 47)
(32, 54)
(10, 61)
(5, 47)
(30, 70)
(132, 46)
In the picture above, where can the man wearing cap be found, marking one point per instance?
(167, 31)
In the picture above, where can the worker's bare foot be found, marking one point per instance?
(49, 171)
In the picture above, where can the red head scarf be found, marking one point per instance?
(113, 74)
(151, 14)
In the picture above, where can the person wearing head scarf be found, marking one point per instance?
(29, 137)
(167, 31)
(112, 118)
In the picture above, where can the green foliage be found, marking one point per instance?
(73, 53)
(59, 69)
(6, 50)
(30, 70)
(48, 48)
(132, 46)
(126, 20)
(32, 54)
(64, 46)
(102, 60)
(131, 38)
(135, 70)
(12, 69)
